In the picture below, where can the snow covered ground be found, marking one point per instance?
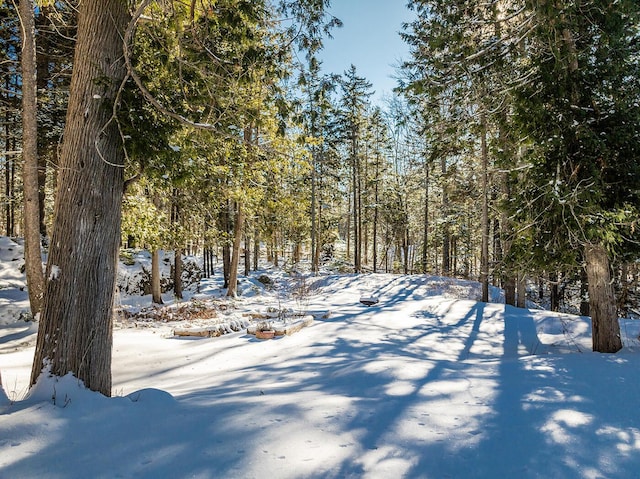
(428, 383)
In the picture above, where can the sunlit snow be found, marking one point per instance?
(427, 383)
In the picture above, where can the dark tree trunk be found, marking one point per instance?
(315, 264)
(484, 255)
(256, 251)
(32, 253)
(446, 265)
(522, 291)
(8, 172)
(425, 231)
(232, 290)
(43, 60)
(177, 273)
(75, 334)
(177, 258)
(226, 247)
(602, 300)
(554, 295)
(156, 290)
(247, 254)
(623, 287)
(584, 293)
(510, 291)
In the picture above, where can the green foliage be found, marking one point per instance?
(580, 115)
(143, 220)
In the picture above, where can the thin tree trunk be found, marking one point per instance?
(75, 333)
(602, 300)
(584, 293)
(425, 231)
(232, 290)
(555, 295)
(226, 247)
(446, 266)
(522, 291)
(623, 287)
(177, 273)
(256, 251)
(8, 161)
(356, 219)
(375, 214)
(46, 153)
(156, 290)
(314, 225)
(484, 255)
(247, 252)
(32, 253)
(177, 259)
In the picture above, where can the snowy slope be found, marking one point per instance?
(428, 383)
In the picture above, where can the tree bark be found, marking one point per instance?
(75, 333)
(484, 255)
(46, 149)
(32, 253)
(177, 273)
(510, 291)
(522, 291)
(446, 237)
(156, 290)
(602, 300)
(225, 220)
(177, 257)
(8, 187)
(584, 293)
(315, 264)
(256, 249)
(425, 230)
(232, 290)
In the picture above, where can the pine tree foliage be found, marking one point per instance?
(546, 94)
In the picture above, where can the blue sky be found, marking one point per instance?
(369, 39)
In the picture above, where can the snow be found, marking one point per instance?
(427, 383)
(54, 273)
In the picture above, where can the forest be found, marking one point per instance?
(509, 153)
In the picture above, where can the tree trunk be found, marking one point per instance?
(226, 248)
(554, 293)
(484, 255)
(32, 253)
(315, 264)
(584, 293)
(8, 172)
(425, 230)
(623, 287)
(510, 291)
(446, 266)
(356, 208)
(75, 333)
(376, 198)
(156, 290)
(177, 273)
(602, 301)
(247, 252)
(256, 250)
(522, 291)
(47, 150)
(177, 256)
(232, 290)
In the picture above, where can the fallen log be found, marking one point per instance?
(198, 332)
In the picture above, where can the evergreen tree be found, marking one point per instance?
(580, 114)
(354, 103)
